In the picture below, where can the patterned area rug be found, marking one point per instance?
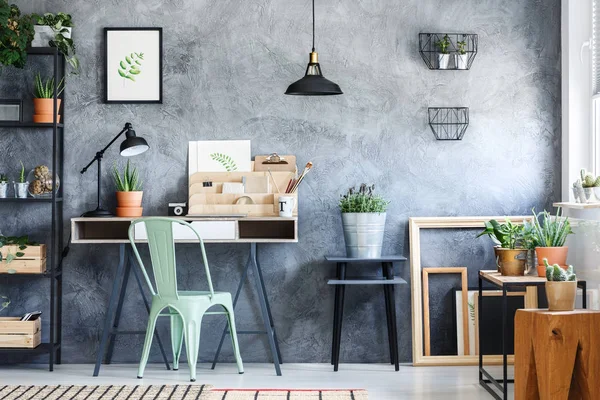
(169, 392)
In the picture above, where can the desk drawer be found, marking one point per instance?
(208, 230)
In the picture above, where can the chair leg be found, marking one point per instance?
(192, 343)
(176, 338)
(234, 338)
(152, 317)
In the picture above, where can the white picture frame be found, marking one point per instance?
(219, 156)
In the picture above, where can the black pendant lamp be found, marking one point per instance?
(313, 83)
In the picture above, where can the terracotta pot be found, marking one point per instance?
(555, 255)
(42, 110)
(561, 295)
(129, 211)
(512, 262)
(129, 199)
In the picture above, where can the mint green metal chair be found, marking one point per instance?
(185, 308)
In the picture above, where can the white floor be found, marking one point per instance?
(382, 382)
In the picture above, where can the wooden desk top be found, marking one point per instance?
(545, 311)
(497, 278)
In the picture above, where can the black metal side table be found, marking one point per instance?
(506, 283)
(388, 281)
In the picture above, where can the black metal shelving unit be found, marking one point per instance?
(461, 51)
(54, 250)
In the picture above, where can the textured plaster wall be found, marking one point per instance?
(226, 66)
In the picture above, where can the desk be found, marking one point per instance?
(506, 283)
(216, 230)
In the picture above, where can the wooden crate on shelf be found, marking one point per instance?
(33, 260)
(20, 334)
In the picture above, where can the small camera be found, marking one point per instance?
(177, 209)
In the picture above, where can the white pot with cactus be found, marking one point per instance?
(21, 185)
(586, 189)
(561, 288)
(3, 186)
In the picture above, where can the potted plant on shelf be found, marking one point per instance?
(12, 247)
(363, 220)
(511, 257)
(561, 287)
(3, 186)
(443, 55)
(55, 30)
(16, 33)
(129, 192)
(586, 187)
(461, 58)
(43, 102)
(21, 185)
(550, 236)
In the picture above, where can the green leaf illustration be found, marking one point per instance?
(131, 66)
(225, 160)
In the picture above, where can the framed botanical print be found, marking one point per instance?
(133, 65)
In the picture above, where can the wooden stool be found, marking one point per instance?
(557, 355)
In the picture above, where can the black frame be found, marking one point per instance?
(13, 102)
(160, 65)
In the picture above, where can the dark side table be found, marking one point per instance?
(387, 280)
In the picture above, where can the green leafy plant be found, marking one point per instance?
(130, 66)
(225, 160)
(129, 181)
(16, 34)
(444, 44)
(22, 173)
(528, 237)
(3, 178)
(22, 242)
(363, 201)
(59, 23)
(507, 235)
(44, 89)
(462, 47)
(5, 302)
(554, 273)
(552, 231)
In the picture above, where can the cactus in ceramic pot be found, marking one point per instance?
(561, 287)
(584, 189)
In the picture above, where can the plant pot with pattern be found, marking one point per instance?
(511, 257)
(129, 192)
(43, 103)
(561, 288)
(550, 237)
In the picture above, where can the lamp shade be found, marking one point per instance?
(133, 145)
(313, 83)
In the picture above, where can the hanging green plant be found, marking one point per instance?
(61, 25)
(225, 160)
(130, 66)
(16, 34)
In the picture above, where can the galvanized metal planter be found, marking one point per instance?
(363, 233)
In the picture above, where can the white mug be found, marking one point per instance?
(286, 206)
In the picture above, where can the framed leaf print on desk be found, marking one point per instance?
(133, 65)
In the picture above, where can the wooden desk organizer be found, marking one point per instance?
(212, 201)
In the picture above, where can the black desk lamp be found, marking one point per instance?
(131, 146)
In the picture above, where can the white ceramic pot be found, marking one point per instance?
(3, 190)
(44, 34)
(21, 190)
(443, 60)
(461, 61)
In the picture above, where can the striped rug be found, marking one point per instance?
(169, 392)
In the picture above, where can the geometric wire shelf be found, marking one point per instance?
(459, 55)
(448, 123)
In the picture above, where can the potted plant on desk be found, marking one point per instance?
(511, 257)
(363, 219)
(561, 287)
(129, 192)
(550, 236)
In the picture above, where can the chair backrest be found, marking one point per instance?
(161, 243)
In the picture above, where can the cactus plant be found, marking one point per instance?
(588, 180)
(554, 273)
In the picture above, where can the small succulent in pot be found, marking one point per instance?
(550, 236)
(461, 58)
(443, 55)
(129, 191)
(21, 184)
(586, 189)
(3, 186)
(511, 256)
(561, 287)
(43, 101)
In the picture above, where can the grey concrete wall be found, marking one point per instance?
(226, 66)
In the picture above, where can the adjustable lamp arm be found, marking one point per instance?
(99, 154)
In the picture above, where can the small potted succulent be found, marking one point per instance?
(561, 288)
(3, 186)
(21, 184)
(363, 220)
(55, 30)
(587, 188)
(129, 192)
(443, 54)
(550, 236)
(16, 33)
(43, 102)
(511, 256)
(461, 58)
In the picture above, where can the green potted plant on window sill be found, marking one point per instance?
(16, 33)
(561, 287)
(129, 192)
(550, 237)
(55, 30)
(511, 256)
(363, 220)
(587, 188)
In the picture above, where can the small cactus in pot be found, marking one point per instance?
(21, 185)
(3, 186)
(584, 189)
(561, 287)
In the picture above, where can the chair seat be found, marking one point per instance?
(200, 293)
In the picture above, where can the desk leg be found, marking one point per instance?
(387, 315)
(340, 316)
(111, 306)
(505, 334)
(389, 274)
(583, 286)
(262, 298)
(335, 314)
(479, 307)
(264, 290)
(113, 334)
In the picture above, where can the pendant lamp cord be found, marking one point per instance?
(313, 12)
